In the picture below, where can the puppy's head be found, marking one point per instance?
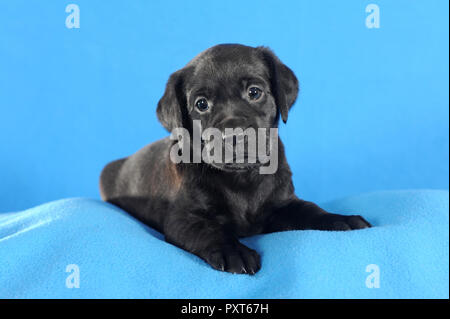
(229, 86)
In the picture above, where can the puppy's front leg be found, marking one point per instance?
(204, 237)
(302, 215)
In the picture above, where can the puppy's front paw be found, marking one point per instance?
(343, 222)
(237, 259)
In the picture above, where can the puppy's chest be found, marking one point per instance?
(244, 211)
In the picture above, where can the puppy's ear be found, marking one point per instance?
(284, 84)
(171, 109)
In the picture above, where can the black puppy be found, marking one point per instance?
(204, 208)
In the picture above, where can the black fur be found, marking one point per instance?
(205, 209)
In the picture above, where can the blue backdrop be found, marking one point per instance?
(372, 113)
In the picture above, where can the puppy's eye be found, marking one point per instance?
(202, 105)
(254, 93)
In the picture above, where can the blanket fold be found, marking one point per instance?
(46, 249)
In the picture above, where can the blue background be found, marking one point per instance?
(372, 113)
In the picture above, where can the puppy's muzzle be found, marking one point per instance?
(239, 145)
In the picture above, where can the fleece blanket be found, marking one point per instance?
(84, 248)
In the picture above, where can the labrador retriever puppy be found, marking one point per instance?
(204, 208)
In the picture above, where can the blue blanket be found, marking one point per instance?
(87, 243)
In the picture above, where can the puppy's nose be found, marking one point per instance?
(233, 123)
